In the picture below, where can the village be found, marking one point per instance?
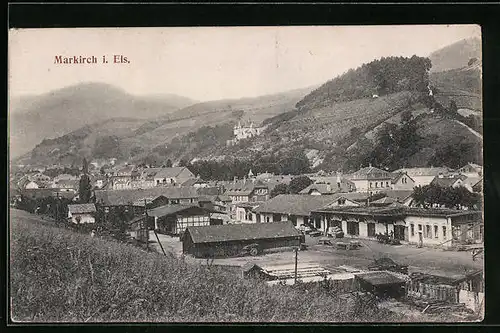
(366, 230)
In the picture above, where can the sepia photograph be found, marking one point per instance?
(265, 174)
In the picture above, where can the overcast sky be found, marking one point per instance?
(212, 63)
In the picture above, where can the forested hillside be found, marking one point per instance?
(379, 77)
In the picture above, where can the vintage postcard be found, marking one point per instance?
(246, 174)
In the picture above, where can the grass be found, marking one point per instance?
(58, 275)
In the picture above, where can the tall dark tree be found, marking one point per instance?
(85, 188)
(279, 189)
(298, 184)
(168, 163)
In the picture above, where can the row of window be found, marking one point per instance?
(428, 231)
(381, 184)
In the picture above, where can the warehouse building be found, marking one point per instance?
(230, 239)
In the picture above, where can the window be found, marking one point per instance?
(412, 229)
(428, 231)
(386, 184)
(419, 227)
(276, 217)
(376, 184)
(267, 218)
(371, 185)
(436, 232)
(444, 232)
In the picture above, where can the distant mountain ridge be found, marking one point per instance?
(34, 118)
(137, 138)
(456, 55)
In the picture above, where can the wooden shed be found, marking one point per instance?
(226, 240)
(174, 219)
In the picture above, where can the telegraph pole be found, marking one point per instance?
(296, 260)
(146, 224)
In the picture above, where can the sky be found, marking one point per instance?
(211, 63)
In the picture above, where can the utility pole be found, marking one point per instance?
(146, 224)
(57, 208)
(296, 260)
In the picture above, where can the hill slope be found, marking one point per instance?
(456, 55)
(75, 278)
(59, 112)
(137, 138)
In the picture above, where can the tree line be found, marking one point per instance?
(380, 77)
(283, 164)
(459, 197)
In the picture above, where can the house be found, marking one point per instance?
(471, 170)
(424, 176)
(131, 202)
(224, 240)
(404, 197)
(401, 181)
(296, 208)
(81, 213)
(449, 181)
(362, 221)
(371, 180)
(162, 195)
(245, 212)
(246, 190)
(174, 219)
(424, 227)
(173, 175)
(329, 185)
(196, 182)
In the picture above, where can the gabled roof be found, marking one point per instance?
(399, 195)
(170, 172)
(249, 231)
(126, 197)
(398, 211)
(397, 175)
(329, 185)
(370, 173)
(36, 193)
(432, 171)
(172, 209)
(447, 181)
(294, 204)
(384, 201)
(475, 166)
(82, 208)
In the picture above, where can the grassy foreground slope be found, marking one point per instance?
(59, 275)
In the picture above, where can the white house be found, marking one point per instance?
(424, 176)
(81, 213)
(371, 180)
(424, 227)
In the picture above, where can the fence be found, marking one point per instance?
(437, 292)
